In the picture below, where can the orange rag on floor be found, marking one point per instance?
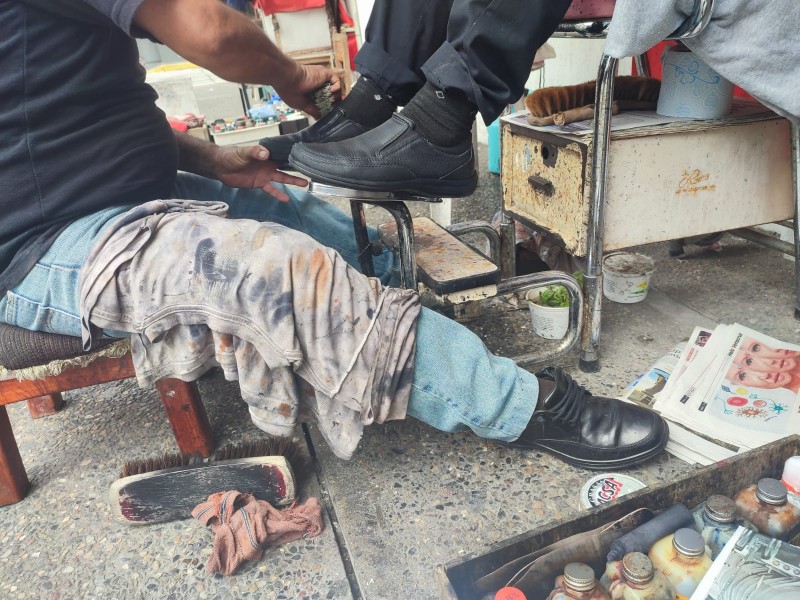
(244, 525)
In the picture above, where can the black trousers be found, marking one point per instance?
(483, 48)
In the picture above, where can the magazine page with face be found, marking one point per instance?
(755, 396)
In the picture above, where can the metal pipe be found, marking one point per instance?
(362, 238)
(593, 276)
(697, 21)
(582, 29)
(483, 228)
(796, 190)
(764, 239)
(535, 280)
(642, 68)
(405, 242)
(508, 246)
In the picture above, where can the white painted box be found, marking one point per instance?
(300, 31)
(663, 182)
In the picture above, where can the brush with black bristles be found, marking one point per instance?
(168, 487)
(323, 99)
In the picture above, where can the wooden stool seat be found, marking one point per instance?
(41, 386)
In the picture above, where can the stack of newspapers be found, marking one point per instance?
(724, 391)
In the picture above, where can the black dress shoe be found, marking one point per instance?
(393, 157)
(592, 432)
(332, 127)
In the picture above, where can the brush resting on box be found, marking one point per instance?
(566, 104)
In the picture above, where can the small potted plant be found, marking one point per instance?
(549, 308)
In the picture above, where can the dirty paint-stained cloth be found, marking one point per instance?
(753, 43)
(304, 333)
(245, 526)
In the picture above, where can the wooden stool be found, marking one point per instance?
(39, 366)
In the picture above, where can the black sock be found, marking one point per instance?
(442, 118)
(367, 105)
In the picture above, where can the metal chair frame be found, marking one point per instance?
(593, 276)
(502, 249)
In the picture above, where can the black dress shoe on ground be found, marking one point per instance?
(393, 157)
(332, 127)
(592, 432)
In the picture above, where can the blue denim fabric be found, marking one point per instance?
(457, 385)
(47, 299)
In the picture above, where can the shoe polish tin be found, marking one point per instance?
(608, 487)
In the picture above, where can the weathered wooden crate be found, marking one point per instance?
(663, 183)
(455, 579)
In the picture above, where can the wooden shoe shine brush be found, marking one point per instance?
(168, 487)
(566, 104)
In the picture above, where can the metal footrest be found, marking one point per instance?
(445, 264)
(365, 196)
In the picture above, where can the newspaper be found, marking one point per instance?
(752, 566)
(650, 385)
(697, 340)
(724, 391)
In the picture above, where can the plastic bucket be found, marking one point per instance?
(548, 322)
(626, 276)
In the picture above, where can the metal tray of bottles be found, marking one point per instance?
(455, 579)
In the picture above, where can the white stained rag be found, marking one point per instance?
(752, 43)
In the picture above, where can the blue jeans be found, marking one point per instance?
(457, 385)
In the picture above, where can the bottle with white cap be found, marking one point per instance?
(791, 479)
(577, 583)
(766, 505)
(717, 521)
(683, 558)
(635, 578)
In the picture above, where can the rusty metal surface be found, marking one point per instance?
(556, 202)
(441, 255)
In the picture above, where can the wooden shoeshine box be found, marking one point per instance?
(664, 181)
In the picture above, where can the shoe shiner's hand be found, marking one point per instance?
(296, 92)
(250, 167)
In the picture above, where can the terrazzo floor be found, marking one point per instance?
(412, 498)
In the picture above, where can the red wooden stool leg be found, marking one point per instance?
(14, 482)
(187, 416)
(43, 406)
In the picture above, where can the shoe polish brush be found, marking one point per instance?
(561, 105)
(323, 99)
(168, 487)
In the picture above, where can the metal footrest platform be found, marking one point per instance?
(445, 264)
(450, 269)
(365, 196)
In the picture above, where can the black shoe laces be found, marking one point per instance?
(572, 403)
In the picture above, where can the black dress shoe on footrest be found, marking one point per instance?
(333, 127)
(393, 157)
(592, 432)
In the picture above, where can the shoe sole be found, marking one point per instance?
(604, 465)
(429, 188)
